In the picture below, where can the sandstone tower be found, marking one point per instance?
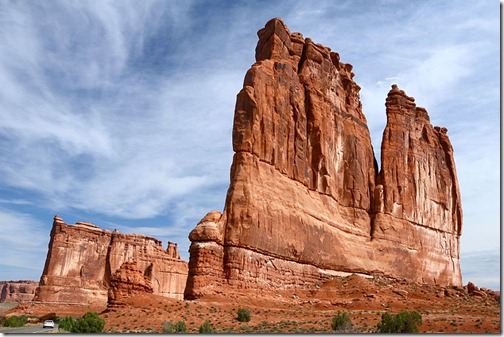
(307, 200)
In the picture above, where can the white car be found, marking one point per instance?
(48, 324)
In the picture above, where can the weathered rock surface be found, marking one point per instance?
(82, 259)
(125, 282)
(307, 199)
(17, 291)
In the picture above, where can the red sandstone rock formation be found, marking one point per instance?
(418, 202)
(82, 259)
(306, 198)
(127, 281)
(17, 291)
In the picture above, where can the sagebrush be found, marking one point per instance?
(206, 328)
(15, 321)
(170, 327)
(243, 315)
(91, 322)
(66, 323)
(341, 321)
(403, 322)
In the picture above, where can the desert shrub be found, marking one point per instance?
(66, 323)
(181, 327)
(243, 315)
(341, 321)
(206, 328)
(403, 322)
(89, 323)
(15, 321)
(170, 327)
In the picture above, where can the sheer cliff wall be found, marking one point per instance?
(306, 198)
(82, 258)
(17, 291)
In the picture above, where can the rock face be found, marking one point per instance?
(83, 260)
(17, 291)
(127, 281)
(306, 197)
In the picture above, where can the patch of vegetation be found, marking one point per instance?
(66, 323)
(91, 322)
(243, 315)
(170, 327)
(341, 322)
(15, 321)
(206, 328)
(245, 329)
(403, 322)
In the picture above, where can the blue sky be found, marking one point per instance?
(120, 112)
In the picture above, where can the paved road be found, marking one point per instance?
(27, 329)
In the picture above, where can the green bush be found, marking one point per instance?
(341, 321)
(206, 328)
(15, 321)
(66, 323)
(403, 322)
(89, 323)
(170, 327)
(243, 315)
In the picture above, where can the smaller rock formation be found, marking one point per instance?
(17, 291)
(474, 291)
(83, 260)
(173, 250)
(471, 288)
(206, 252)
(127, 281)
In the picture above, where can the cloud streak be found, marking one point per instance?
(24, 243)
(97, 135)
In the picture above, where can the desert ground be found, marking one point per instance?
(310, 310)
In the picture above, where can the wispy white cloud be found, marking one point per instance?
(24, 243)
(122, 155)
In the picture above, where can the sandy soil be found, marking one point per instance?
(445, 310)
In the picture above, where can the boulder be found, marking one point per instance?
(127, 281)
(400, 292)
(471, 288)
